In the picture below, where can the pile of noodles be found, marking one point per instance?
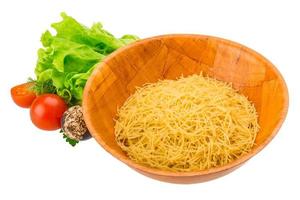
(189, 124)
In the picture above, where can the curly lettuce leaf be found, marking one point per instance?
(96, 37)
(68, 58)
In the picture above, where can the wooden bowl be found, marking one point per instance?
(168, 57)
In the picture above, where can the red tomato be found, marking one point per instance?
(46, 111)
(22, 95)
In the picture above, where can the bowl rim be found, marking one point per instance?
(125, 159)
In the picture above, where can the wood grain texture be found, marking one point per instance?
(168, 57)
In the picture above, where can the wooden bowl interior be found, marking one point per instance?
(169, 57)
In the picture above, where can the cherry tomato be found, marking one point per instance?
(46, 111)
(22, 95)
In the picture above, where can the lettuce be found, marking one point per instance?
(68, 58)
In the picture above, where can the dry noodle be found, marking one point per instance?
(189, 124)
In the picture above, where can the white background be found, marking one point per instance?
(39, 165)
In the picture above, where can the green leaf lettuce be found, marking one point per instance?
(68, 58)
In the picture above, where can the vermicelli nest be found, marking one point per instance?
(190, 124)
